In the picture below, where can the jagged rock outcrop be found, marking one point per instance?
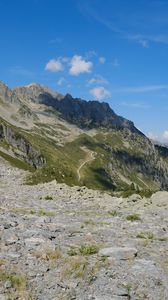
(85, 114)
(21, 147)
(5, 92)
(7, 95)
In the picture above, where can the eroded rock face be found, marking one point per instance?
(5, 92)
(86, 114)
(18, 142)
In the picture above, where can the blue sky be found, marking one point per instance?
(114, 51)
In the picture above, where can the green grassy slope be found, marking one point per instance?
(120, 158)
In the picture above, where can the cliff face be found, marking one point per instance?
(5, 92)
(21, 147)
(85, 114)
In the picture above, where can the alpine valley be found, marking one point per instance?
(77, 142)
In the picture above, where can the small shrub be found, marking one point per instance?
(134, 217)
(74, 267)
(48, 254)
(88, 249)
(48, 197)
(53, 254)
(72, 252)
(113, 213)
(163, 239)
(18, 282)
(145, 235)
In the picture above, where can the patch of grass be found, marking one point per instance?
(146, 193)
(146, 235)
(47, 213)
(134, 217)
(2, 262)
(103, 223)
(88, 249)
(75, 267)
(113, 213)
(32, 212)
(18, 282)
(28, 211)
(15, 162)
(127, 193)
(72, 252)
(94, 223)
(90, 222)
(24, 211)
(48, 197)
(163, 239)
(48, 254)
(128, 288)
(91, 213)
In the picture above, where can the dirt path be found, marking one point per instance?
(90, 156)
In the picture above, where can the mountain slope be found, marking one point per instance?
(57, 134)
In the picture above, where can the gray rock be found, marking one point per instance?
(3, 297)
(8, 284)
(119, 253)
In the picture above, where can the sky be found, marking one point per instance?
(112, 51)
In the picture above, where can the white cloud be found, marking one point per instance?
(100, 93)
(153, 136)
(165, 134)
(102, 60)
(79, 65)
(97, 80)
(162, 137)
(54, 65)
(61, 81)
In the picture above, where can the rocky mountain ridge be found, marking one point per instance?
(78, 142)
(86, 114)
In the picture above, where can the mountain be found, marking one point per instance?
(77, 142)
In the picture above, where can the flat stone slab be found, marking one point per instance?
(122, 253)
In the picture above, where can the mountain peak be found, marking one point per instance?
(33, 84)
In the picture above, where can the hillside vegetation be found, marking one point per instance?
(113, 156)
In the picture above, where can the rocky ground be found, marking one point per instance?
(73, 243)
